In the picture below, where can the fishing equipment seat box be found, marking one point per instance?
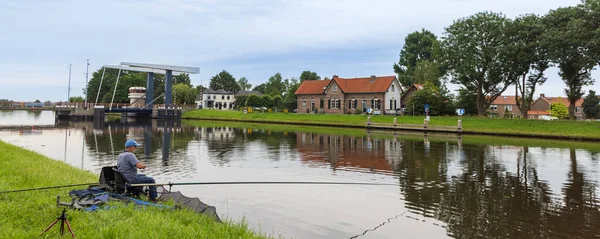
(114, 181)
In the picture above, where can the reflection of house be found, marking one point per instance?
(346, 151)
(216, 133)
(502, 104)
(343, 95)
(542, 106)
(409, 92)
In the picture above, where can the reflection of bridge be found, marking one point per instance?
(148, 110)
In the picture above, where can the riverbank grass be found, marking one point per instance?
(523, 127)
(27, 214)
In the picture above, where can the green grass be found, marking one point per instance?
(418, 136)
(478, 125)
(27, 214)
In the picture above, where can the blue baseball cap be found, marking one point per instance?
(131, 142)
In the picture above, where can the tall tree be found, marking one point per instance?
(243, 83)
(183, 94)
(591, 105)
(418, 46)
(472, 49)
(592, 8)
(182, 79)
(427, 71)
(569, 39)
(224, 81)
(309, 75)
(526, 58)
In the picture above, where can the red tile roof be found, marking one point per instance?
(563, 100)
(418, 86)
(365, 84)
(538, 112)
(312, 87)
(505, 100)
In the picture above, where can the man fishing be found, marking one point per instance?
(127, 165)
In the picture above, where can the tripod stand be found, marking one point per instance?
(63, 220)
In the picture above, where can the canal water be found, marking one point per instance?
(447, 186)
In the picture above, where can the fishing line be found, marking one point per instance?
(242, 183)
(51, 187)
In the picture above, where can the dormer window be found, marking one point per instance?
(334, 88)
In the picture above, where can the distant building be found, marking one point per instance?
(348, 95)
(503, 104)
(217, 99)
(543, 104)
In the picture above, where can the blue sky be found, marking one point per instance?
(250, 38)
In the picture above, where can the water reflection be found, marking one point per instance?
(448, 186)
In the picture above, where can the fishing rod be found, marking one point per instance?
(51, 187)
(242, 183)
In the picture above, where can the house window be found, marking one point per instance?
(508, 107)
(227, 97)
(392, 104)
(377, 104)
(222, 97)
(494, 107)
(393, 88)
(578, 109)
(303, 103)
(354, 103)
(337, 104)
(334, 104)
(334, 89)
(364, 105)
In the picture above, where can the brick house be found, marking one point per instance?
(543, 103)
(310, 95)
(342, 95)
(409, 92)
(505, 103)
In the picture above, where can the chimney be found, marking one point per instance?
(335, 76)
(542, 95)
(373, 77)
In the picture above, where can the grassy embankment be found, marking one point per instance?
(417, 136)
(27, 214)
(476, 125)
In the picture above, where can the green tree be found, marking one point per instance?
(559, 110)
(262, 88)
(240, 100)
(37, 101)
(76, 99)
(473, 48)
(418, 46)
(427, 71)
(290, 100)
(309, 75)
(184, 94)
(182, 79)
(591, 105)
(224, 81)
(253, 101)
(266, 101)
(466, 100)
(243, 83)
(569, 38)
(278, 102)
(431, 95)
(275, 85)
(526, 58)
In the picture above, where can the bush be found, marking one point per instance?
(358, 111)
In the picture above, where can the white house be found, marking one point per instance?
(220, 99)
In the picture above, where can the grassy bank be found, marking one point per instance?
(417, 136)
(27, 214)
(508, 127)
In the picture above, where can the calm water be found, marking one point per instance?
(447, 187)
